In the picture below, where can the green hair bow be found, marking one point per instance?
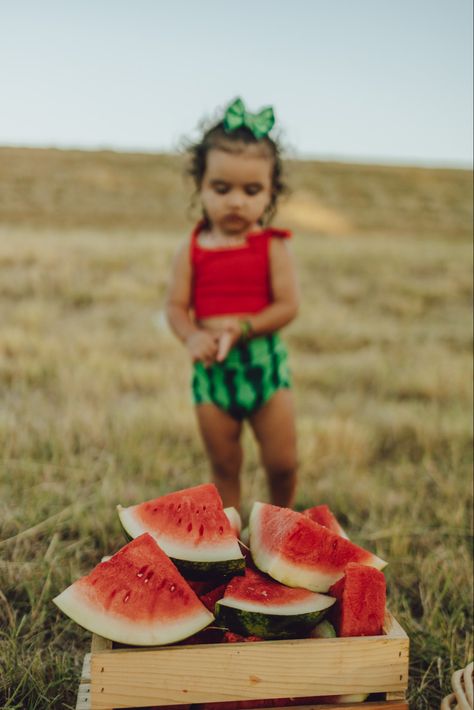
(259, 123)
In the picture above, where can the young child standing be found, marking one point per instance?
(233, 287)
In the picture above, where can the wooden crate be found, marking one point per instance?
(167, 675)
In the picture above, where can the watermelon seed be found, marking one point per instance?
(201, 530)
(148, 577)
(172, 587)
(180, 521)
(142, 571)
(190, 527)
(155, 510)
(221, 530)
(204, 507)
(179, 507)
(126, 597)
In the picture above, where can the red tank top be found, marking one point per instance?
(232, 280)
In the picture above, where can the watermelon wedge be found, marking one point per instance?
(296, 551)
(361, 595)
(137, 597)
(257, 605)
(323, 515)
(193, 529)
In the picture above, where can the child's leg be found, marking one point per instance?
(274, 428)
(221, 435)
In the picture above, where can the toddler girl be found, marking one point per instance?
(233, 286)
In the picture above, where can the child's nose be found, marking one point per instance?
(236, 198)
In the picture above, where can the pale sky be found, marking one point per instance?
(363, 80)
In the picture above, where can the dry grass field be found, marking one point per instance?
(95, 408)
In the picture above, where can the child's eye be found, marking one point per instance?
(253, 189)
(221, 188)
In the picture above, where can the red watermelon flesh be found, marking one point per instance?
(188, 525)
(323, 515)
(298, 552)
(360, 606)
(231, 637)
(209, 600)
(136, 597)
(201, 587)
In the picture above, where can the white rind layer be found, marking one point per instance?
(234, 519)
(293, 575)
(227, 550)
(135, 633)
(318, 603)
(342, 533)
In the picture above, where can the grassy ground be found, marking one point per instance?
(95, 410)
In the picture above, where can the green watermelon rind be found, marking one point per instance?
(202, 571)
(267, 626)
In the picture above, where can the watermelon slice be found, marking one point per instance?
(136, 597)
(360, 608)
(192, 528)
(296, 551)
(255, 604)
(323, 515)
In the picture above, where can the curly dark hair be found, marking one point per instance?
(218, 137)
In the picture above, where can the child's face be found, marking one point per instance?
(236, 188)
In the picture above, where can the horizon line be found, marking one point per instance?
(382, 161)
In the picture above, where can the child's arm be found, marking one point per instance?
(201, 344)
(284, 306)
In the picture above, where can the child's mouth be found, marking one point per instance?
(233, 220)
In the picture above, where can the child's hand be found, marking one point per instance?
(203, 346)
(228, 337)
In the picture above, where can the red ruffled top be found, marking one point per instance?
(232, 280)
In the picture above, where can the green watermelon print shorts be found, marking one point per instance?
(251, 373)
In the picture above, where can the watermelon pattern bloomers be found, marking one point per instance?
(251, 373)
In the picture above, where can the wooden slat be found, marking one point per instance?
(83, 701)
(84, 697)
(392, 628)
(274, 669)
(100, 644)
